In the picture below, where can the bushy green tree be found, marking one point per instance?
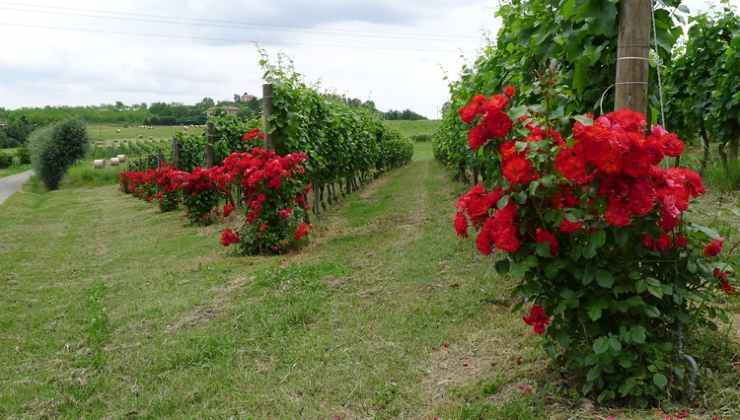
(56, 148)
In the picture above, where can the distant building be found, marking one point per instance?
(227, 109)
(247, 97)
(232, 110)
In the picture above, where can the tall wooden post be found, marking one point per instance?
(633, 48)
(175, 152)
(266, 114)
(210, 135)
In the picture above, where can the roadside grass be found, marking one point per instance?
(112, 309)
(15, 169)
(83, 174)
(412, 128)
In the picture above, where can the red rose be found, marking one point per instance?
(477, 137)
(518, 170)
(255, 133)
(545, 236)
(663, 243)
(714, 248)
(228, 237)
(302, 231)
(497, 124)
(647, 241)
(566, 226)
(537, 319)
(724, 281)
(497, 103)
(461, 224)
(571, 166)
(469, 111)
(681, 241)
(509, 91)
(228, 209)
(484, 241)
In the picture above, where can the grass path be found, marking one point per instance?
(112, 309)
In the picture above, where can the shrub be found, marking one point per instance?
(6, 160)
(273, 189)
(23, 155)
(169, 181)
(56, 148)
(593, 228)
(201, 194)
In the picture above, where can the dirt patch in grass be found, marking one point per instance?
(203, 313)
(481, 354)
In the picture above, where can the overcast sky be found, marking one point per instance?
(82, 52)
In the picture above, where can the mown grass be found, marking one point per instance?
(413, 128)
(111, 309)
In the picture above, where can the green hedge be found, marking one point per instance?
(6, 160)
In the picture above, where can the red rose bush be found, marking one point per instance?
(268, 189)
(595, 230)
(273, 193)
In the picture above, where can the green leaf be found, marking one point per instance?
(601, 345)
(711, 233)
(615, 344)
(583, 119)
(503, 202)
(652, 311)
(594, 312)
(502, 266)
(638, 335)
(604, 278)
(660, 380)
(655, 287)
(580, 76)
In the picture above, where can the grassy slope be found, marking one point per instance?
(110, 308)
(411, 128)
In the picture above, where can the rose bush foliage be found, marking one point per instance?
(595, 230)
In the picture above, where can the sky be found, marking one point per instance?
(87, 52)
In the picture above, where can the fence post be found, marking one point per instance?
(266, 115)
(633, 47)
(175, 152)
(210, 134)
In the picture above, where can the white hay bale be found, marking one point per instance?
(98, 163)
(114, 161)
(121, 158)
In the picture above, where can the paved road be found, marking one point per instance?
(12, 184)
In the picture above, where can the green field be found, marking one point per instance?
(108, 133)
(413, 128)
(112, 309)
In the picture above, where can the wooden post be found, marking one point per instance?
(175, 152)
(266, 114)
(210, 134)
(633, 48)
